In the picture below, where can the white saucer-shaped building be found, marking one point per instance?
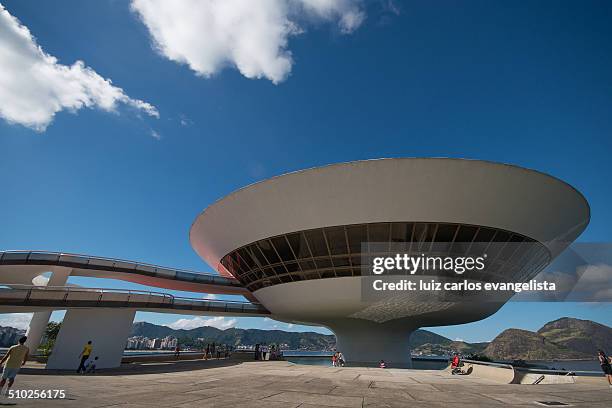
(295, 240)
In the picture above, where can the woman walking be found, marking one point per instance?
(604, 362)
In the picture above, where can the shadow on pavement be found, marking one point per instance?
(140, 368)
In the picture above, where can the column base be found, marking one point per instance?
(38, 324)
(108, 330)
(365, 343)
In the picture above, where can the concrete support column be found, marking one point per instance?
(366, 343)
(38, 324)
(36, 330)
(108, 330)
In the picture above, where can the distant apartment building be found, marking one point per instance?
(169, 342)
(145, 343)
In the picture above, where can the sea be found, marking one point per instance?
(323, 358)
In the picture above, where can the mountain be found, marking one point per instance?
(424, 342)
(420, 337)
(293, 340)
(9, 336)
(235, 337)
(565, 338)
(448, 348)
(516, 344)
(584, 336)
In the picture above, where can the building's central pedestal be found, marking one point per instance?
(366, 343)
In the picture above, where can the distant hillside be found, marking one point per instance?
(565, 338)
(514, 344)
(294, 340)
(9, 336)
(420, 337)
(584, 336)
(448, 348)
(236, 337)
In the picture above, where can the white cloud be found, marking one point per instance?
(219, 322)
(209, 35)
(185, 121)
(34, 86)
(392, 7)
(210, 296)
(16, 320)
(594, 284)
(155, 134)
(587, 283)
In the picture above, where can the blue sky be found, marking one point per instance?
(528, 83)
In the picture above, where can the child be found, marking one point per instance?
(335, 360)
(91, 366)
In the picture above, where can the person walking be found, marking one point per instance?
(84, 356)
(15, 357)
(604, 362)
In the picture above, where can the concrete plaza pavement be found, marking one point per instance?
(187, 384)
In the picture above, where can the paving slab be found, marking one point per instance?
(281, 384)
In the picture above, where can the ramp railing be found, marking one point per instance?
(73, 296)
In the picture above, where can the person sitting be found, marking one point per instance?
(341, 360)
(455, 363)
(382, 364)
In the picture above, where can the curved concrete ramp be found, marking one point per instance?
(507, 374)
(20, 267)
(501, 373)
(34, 298)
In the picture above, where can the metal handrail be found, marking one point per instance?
(488, 363)
(68, 289)
(216, 300)
(81, 289)
(531, 369)
(172, 298)
(546, 370)
(29, 252)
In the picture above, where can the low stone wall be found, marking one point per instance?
(507, 374)
(161, 357)
(523, 377)
(236, 355)
(243, 355)
(597, 380)
(503, 375)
